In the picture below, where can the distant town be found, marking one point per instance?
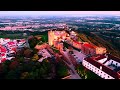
(60, 48)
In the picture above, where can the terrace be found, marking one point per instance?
(108, 62)
(112, 65)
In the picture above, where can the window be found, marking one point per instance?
(101, 67)
(111, 62)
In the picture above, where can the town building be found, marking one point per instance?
(58, 45)
(106, 66)
(9, 47)
(90, 49)
(56, 35)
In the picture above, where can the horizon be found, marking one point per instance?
(58, 13)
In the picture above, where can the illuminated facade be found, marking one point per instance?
(56, 35)
(85, 47)
(90, 49)
(100, 50)
(50, 37)
(58, 45)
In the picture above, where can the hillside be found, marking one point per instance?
(98, 41)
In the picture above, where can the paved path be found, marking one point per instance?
(72, 71)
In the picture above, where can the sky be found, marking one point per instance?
(37, 13)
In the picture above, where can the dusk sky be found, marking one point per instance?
(15, 13)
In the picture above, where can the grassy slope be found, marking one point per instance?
(96, 40)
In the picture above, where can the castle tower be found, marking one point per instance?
(50, 37)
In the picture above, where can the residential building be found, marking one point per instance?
(8, 47)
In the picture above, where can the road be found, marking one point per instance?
(72, 71)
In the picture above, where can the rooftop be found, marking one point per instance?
(89, 45)
(108, 63)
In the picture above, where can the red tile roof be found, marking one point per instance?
(3, 54)
(6, 38)
(3, 49)
(104, 68)
(3, 60)
(14, 49)
(98, 57)
(11, 43)
(89, 45)
(76, 42)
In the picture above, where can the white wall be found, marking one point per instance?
(102, 60)
(114, 62)
(96, 70)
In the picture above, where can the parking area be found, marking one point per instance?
(79, 56)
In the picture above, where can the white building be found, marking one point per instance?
(105, 66)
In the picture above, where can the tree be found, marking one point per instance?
(13, 65)
(61, 70)
(28, 53)
(81, 71)
(35, 57)
(20, 52)
(1, 68)
(12, 75)
(5, 68)
(24, 75)
(35, 51)
(32, 42)
(46, 65)
(42, 72)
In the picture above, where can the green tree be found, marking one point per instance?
(12, 75)
(35, 57)
(62, 70)
(33, 42)
(24, 75)
(28, 53)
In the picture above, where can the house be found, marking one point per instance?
(9, 47)
(90, 49)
